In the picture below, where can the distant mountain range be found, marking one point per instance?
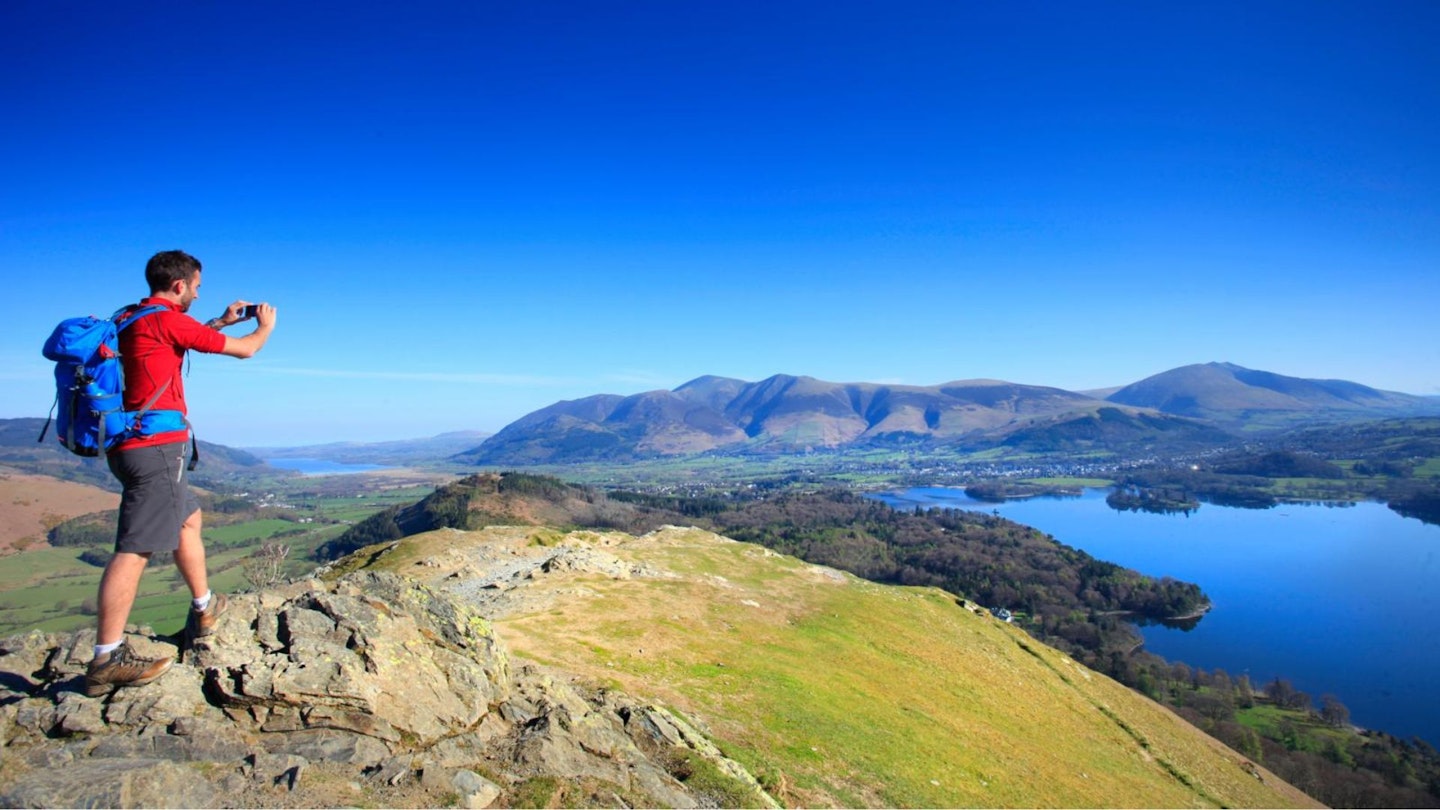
(1190, 406)
(20, 450)
(399, 452)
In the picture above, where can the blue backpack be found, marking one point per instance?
(90, 386)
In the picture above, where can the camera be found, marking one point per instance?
(249, 311)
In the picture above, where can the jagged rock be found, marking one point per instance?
(656, 724)
(392, 771)
(218, 744)
(470, 789)
(325, 745)
(281, 770)
(701, 744)
(467, 749)
(41, 759)
(177, 695)
(476, 792)
(25, 657)
(77, 714)
(373, 678)
(113, 783)
(38, 719)
(570, 735)
(372, 653)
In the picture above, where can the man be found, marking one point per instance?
(158, 512)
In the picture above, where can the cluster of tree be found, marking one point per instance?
(1189, 484)
(488, 498)
(678, 504)
(1412, 497)
(1281, 464)
(999, 491)
(541, 486)
(1395, 441)
(1113, 430)
(1314, 749)
(1421, 502)
(1162, 500)
(1067, 597)
(94, 529)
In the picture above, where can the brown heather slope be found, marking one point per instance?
(833, 691)
(30, 505)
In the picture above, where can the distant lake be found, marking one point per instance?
(316, 466)
(1339, 600)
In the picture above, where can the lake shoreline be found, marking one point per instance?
(1273, 573)
(315, 467)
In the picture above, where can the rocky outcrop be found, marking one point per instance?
(370, 689)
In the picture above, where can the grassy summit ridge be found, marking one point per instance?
(833, 690)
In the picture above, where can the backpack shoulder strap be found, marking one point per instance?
(127, 315)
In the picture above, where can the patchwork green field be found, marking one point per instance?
(53, 589)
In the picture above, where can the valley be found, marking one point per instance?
(266, 524)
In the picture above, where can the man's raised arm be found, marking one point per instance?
(248, 345)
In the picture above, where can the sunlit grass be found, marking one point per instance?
(839, 691)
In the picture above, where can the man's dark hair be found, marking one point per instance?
(169, 266)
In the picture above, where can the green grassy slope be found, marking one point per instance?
(837, 691)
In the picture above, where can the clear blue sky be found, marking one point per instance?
(466, 211)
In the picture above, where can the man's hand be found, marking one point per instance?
(234, 314)
(248, 345)
(265, 316)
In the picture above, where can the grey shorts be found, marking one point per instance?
(156, 499)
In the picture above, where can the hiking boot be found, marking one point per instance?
(201, 623)
(122, 667)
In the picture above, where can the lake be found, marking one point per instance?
(316, 466)
(1338, 600)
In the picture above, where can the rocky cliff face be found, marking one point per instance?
(368, 689)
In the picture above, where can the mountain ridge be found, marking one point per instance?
(20, 450)
(393, 452)
(1228, 393)
(1184, 407)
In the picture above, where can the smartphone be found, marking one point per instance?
(249, 311)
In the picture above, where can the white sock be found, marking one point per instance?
(203, 602)
(105, 649)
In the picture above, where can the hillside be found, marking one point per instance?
(782, 413)
(20, 450)
(490, 498)
(1109, 428)
(396, 453)
(522, 666)
(31, 505)
(794, 671)
(1068, 598)
(1186, 409)
(1236, 396)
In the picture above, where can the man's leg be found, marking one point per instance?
(114, 665)
(190, 556)
(118, 587)
(190, 559)
(149, 522)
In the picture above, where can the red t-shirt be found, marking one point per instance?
(152, 350)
